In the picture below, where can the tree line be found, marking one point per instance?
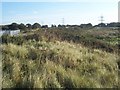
(15, 26)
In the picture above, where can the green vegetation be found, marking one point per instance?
(56, 58)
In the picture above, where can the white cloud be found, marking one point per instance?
(35, 12)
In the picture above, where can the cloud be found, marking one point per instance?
(35, 12)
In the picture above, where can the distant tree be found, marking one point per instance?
(36, 25)
(61, 25)
(44, 26)
(29, 26)
(22, 26)
(89, 25)
(102, 25)
(53, 25)
(13, 26)
(114, 24)
(5, 27)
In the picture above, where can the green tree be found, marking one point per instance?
(29, 26)
(13, 26)
(22, 26)
(36, 25)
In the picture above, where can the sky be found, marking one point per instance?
(63, 11)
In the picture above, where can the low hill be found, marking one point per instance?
(40, 59)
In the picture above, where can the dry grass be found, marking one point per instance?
(58, 65)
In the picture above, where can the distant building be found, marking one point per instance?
(9, 32)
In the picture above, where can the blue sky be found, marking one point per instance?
(53, 12)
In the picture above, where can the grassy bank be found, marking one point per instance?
(57, 64)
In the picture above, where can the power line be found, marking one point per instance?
(101, 19)
(63, 21)
(42, 22)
